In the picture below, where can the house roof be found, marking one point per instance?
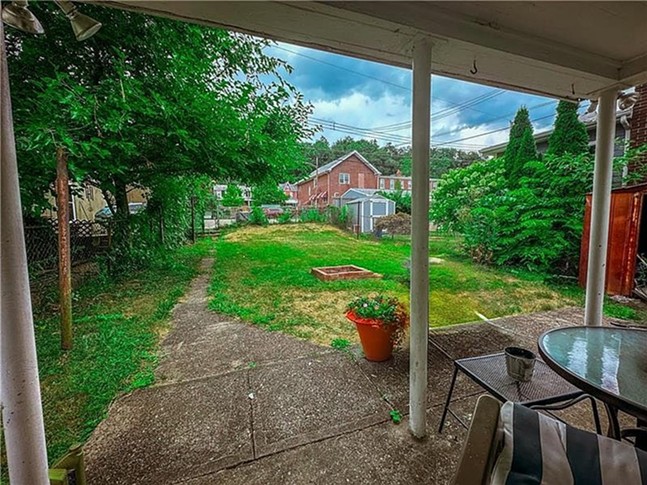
(288, 186)
(328, 167)
(364, 199)
(590, 123)
(361, 192)
(568, 50)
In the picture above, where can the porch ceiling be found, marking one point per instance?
(560, 49)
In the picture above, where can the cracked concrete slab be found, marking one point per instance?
(383, 453)
(229, 346)
(166, 434)
(307, 399)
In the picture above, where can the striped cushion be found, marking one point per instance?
(540, 450)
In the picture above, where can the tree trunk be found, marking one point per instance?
(122, 217)
(64, 263)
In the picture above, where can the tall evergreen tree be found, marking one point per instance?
(569, 135)
(521, 146)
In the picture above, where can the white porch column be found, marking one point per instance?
(600, 207)
(421, 104)
(22, 413)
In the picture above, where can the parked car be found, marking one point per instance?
(105, 214)
(272, 211)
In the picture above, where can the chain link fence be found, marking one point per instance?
(88, 240)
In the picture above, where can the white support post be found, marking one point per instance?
(22, 412)
(421, 105)
(600, 208)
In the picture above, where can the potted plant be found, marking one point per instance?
(380, 322)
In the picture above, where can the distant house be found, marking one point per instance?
(591, 122)
(291, 192)
(86, 200)
(325, 185)
(219, 189)
(398, 181)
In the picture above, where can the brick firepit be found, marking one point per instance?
(348, 272)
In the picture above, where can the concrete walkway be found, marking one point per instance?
(235, 404)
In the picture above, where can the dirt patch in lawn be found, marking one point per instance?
(325, 313)
(278, 230)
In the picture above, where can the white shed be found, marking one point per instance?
(364, 212)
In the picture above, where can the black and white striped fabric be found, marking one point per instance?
(540, 450)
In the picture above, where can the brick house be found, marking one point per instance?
(325, 185)
(398, 181)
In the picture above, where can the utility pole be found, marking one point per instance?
(64, 254)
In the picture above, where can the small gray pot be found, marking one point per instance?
(520, 363)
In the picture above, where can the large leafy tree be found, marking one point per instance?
(268, 193)
(442, 160)
(521, 147)
(569, 134)
(148, 99)
(232, 196)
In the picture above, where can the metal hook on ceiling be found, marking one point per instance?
(474, 69)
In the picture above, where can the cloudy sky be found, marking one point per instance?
(368, 100)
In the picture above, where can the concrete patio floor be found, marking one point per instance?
(235, 404)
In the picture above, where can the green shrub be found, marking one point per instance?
(285, 217)
(257, 217)
(338, 216)
(399, 223)
(312, 215)
(536, 225)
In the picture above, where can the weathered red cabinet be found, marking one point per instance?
(625, 241)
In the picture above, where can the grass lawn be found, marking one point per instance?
(262, 275)
(117, 327)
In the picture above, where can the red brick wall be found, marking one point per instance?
(352, 166)
(330, 182)
(639, 126)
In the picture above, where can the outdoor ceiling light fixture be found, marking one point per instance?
(83, 26)
(20, 17)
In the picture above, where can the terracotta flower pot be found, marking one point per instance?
(376, 338)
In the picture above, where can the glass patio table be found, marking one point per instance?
(607, 363)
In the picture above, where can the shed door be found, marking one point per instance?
(378, 209)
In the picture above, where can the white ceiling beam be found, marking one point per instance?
(434, 19)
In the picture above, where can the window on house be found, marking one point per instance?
(391, 184)
(344, 178)
(409, 182)
(309, 190)
(381, 183)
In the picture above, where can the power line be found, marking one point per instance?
(402, 140)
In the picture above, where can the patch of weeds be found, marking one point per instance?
(616, 310)
(396, 416)
(340, 343)
(252, 365)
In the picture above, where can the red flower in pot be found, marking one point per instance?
(380, 322)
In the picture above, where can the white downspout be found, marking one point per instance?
(22, 413)
(624, 121)
(600, 207)
(421, 106)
